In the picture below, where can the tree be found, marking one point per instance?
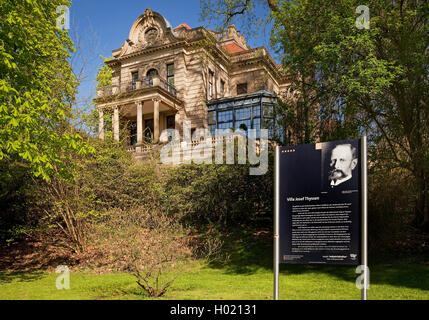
(63, 210)
(298, 110)
(104, 75)
(225, 12)
(37, 88)
(91, 118)
(372, 81)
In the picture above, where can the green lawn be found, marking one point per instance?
(247, 276)
(387, 282)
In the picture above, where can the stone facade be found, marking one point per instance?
(163, 76)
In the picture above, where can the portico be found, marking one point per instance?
(150, 109)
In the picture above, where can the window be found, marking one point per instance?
(134, 78)
(171, 122)
(256, 114)
(225, 116)
(170, 77)
(269, 124)
(226, 125)
(211, 76)
(222, 88)
(225, 119)
(257, 126)
(212, 117)
(256, 111)
(150, 74)
(241, 88)
(243, 113)
(268, 110)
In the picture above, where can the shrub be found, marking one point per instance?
(210, 245)
(14, 194)
(109, 178)
(390, 212)
(222, 195)
(148, 244)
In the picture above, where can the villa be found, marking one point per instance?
(163, 76)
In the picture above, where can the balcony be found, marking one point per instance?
(130, 86)
(181, 149)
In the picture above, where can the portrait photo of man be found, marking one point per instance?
(343, 160)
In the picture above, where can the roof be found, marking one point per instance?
(233, 47)
(183, 25)
(244, 96)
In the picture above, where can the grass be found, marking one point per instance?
(248, 275)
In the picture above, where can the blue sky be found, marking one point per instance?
(100, 26)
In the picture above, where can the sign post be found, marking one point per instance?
(276, 225)
(320, 206)
(364, 209)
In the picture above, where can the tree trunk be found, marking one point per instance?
(422, 205)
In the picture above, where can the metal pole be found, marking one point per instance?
(364, 204)
(276, 223)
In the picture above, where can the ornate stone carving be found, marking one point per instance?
(148, 14)
(150, 35)
(147, 34)
(149, 30)
(140, 35)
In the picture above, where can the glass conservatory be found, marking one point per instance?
(247, 111)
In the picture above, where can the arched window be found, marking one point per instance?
(151, 73)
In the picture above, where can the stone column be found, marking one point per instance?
(101, 124)
(155, 120)
(139, 125)
(115, 123)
